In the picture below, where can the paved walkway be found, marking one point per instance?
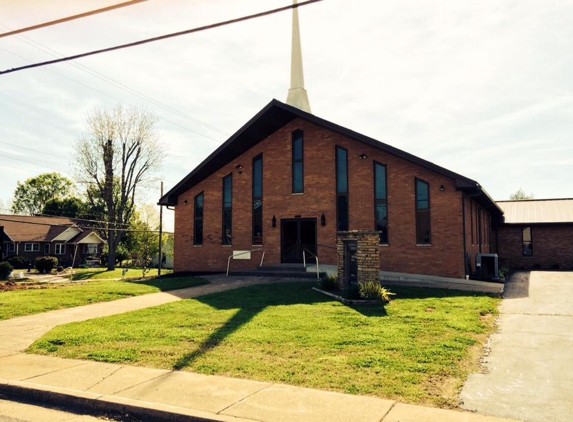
(528, 372)
(152, 394)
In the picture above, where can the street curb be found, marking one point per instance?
(98, 404)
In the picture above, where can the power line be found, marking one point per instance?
(117, 99)
(113, 82)
(70, 18)
(79, 226)
(162, 37)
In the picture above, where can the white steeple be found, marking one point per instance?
(297, 96)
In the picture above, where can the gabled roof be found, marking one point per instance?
(276, 115)
(26, 228)
(538, 211)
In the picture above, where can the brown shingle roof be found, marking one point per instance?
(537, 211)
(25, 228)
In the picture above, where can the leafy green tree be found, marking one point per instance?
(32, 196)
(519, 195)
(117, 157)
(72, 207)
(143, 236)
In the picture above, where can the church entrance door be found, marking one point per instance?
(297, 235)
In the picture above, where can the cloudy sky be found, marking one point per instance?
(484, 88)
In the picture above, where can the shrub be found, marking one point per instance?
(352, 291)
(372, 290)
(5, 270)
(45, 264)
(330, 282)
(17, 262)
(504, 271)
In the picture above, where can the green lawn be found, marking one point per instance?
(58, 296)
(103, 273)
(418, 349)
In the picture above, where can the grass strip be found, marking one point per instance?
(59, 296)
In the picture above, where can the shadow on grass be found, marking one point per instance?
(250, 301)
(407, 292)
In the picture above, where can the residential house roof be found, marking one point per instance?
(276, 115)
(538, 211)
(26, 228)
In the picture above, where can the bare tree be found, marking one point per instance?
(116, 157)
(519, 195)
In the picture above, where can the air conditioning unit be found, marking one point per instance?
(487, 266)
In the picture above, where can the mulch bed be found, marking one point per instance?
(6, 286)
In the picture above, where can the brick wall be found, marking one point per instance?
(444, 257)
(552, 246)
(479, 236)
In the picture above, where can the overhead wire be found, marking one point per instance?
(162, 37)
(117, 84)
(84, 227)
(70, 18)
(114, 98)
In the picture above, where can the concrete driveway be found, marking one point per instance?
(528, 367)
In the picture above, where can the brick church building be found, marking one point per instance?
(288, 181)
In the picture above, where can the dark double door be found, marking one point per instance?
(297, 235)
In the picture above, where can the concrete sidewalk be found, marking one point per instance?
(156, 395)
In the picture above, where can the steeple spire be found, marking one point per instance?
(297, 96)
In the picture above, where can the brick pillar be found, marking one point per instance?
(367, 256)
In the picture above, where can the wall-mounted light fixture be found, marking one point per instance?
(239, 167)
(362, 156)
(322, 220)
(442, 188)
(274, 221)
(185, 202)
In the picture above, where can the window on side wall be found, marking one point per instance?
(380, 202)
(198, 219)
(227, 210)
(423, 226)
(342, 189)
(297, 162)
(527, 241)
(257, 226)
(46, 249)
(60, 248)
(31, 247)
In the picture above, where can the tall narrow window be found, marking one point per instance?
(527, 241)
(423, 235)
(380, 202)
(258, 200)
(198, 220)
(342, 188)
(227, 210)
(297, 162)
(472, 221)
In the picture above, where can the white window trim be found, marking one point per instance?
(60, 249)
(34, 247)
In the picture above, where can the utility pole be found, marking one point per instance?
(160, 258)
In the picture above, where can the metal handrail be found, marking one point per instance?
(244, 253)
(304, 251)
(326, 246)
